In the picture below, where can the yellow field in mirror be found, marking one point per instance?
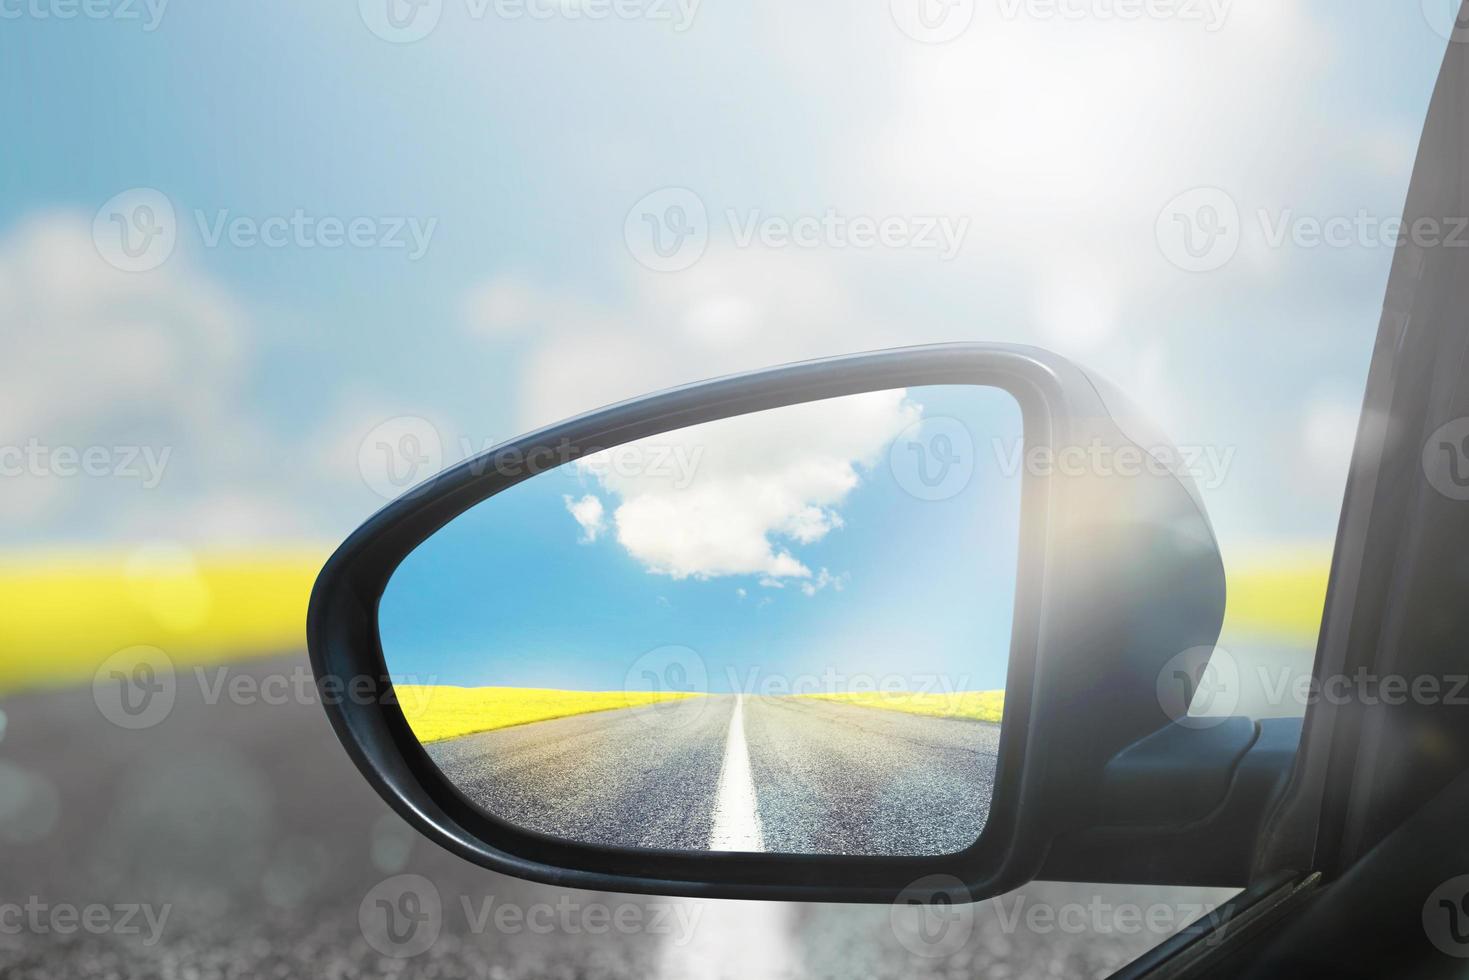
(974, 705)
(439, 711)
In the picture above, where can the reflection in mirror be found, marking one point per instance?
(786, 631)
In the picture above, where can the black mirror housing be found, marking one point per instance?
(1119, 578)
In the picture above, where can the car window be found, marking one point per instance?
(264, 268)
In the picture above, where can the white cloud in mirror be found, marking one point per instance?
(760, 486)
(589, 514)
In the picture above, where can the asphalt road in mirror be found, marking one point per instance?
(234, 838)
(738, 773)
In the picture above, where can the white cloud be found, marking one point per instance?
(588, 514)
(765, 485)
(82, 337)
(1062, 140)
(736, 310)
(825, 579)
(97, 358)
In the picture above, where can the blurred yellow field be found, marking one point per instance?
(65, 613)
(437, 712)
(974, 705)
(1277, 596)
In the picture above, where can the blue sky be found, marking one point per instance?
(890, 590)
(1059, 143)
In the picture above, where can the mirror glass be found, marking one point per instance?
(786, 631)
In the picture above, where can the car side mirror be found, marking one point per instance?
(874, 620)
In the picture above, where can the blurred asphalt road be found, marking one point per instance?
(825, 778)
(245, 833)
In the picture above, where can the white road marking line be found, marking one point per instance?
(736, 821)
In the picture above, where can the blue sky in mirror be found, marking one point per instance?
(786, 550)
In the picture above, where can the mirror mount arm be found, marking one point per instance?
(1184, 805)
